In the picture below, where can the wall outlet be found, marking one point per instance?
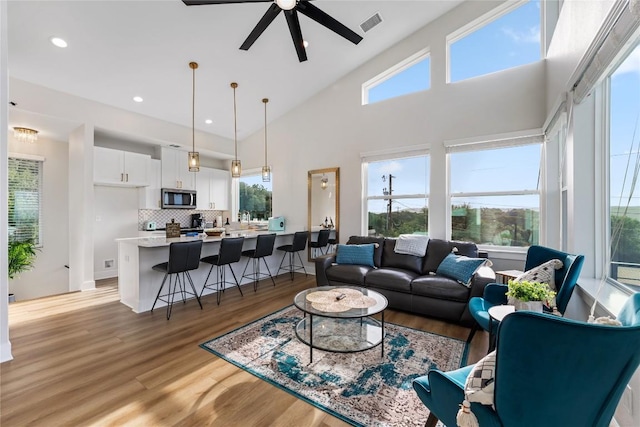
(108, 263)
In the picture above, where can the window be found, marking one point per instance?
(25, 193)
(397, 196)
(624, 168)
(411, 75)
(495, 197)
(505, 38)
(255, 197)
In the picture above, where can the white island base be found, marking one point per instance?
(138, 284)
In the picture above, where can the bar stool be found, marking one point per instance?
(321, 243)
(183, 257)
(264, 248)
(331, 246)
(299, 244)
(230, 252)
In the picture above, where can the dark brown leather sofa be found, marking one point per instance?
(409, 282)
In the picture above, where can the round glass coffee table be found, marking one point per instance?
(340, 319)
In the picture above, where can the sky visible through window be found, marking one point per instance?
(625, 130)
(415, 78)
(507, 42)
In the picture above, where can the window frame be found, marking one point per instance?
(480, 22)
(40, 161)
(393, 71)
(235, 186)
(507, 140)
(388, 155)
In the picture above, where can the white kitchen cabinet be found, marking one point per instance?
(212, 186)
(175, 170)
(150, 197)
(121, 168)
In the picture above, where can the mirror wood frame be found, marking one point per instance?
(330, 173)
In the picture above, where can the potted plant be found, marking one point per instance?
(526, 295)
(21, 256)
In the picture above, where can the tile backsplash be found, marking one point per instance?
(183, 216)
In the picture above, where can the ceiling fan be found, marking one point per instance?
(291, 9)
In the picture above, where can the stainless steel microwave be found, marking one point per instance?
(178, 199)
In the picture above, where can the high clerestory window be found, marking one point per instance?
(25, 197)
(506, 37)
(411, 75)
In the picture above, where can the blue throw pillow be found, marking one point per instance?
(355, 254)
(460, 268)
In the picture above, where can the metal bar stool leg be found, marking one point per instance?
(193, 288)
(268, 271)
(160, 290)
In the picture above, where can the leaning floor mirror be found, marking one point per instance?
(323, 211)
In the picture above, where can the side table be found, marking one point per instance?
(497, 313)
(504, 276)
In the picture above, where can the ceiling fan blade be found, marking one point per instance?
(202, 2)
(323, 18)
(296, 33)
(262, 25)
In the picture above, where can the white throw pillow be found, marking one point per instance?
(411, 244)
(480, 383)
(544, 273)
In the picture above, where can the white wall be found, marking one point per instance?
(116, 215)
(49, 275)
(332, 129)
(5, 344)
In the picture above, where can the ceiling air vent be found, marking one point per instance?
(174, 146)
(371, 22)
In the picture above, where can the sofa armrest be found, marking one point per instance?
(322, 263)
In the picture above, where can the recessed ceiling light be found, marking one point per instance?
(305, 44)
(208, 121)
(138, 98)
(57, 41)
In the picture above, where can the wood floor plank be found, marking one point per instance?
(85, 359)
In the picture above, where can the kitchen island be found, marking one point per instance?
(138, 284)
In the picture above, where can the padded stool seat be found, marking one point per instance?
(299, 244)
(321, 243)
(229, 253)
(264, 248)
(183, 257)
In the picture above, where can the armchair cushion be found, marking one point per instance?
(355, 254)
(460, 268)
(544, 273)
(480, 383)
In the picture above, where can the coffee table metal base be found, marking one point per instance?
(341, 335)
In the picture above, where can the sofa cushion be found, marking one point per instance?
(394, 279)
(460, 268)
(440, 287)
(355, 254)
(377, 251)
(346, 273)
(438, 249)
(391, 259)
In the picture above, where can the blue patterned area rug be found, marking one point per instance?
(363, 389)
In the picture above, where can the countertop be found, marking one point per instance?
(160, 240)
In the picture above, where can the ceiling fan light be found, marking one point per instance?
(286, 4)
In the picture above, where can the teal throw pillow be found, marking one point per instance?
(460, 268)
(355, 254)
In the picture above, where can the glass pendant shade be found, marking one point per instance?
(286, 4)
(194, 161)
(236, 168)
(25, 134)
(324, 182)
(266, 174)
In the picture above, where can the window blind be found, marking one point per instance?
(25, 194)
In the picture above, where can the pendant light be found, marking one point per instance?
(25, 134)
(236, 168)
(194, 156)
(324, 182)
(266, 170)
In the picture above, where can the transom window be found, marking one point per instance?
(495, 195)
(507, 37)
(411, 75)
(398, 196)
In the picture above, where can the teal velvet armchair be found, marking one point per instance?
(494, 293)
(550, 371)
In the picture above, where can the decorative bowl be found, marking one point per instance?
(213, 233)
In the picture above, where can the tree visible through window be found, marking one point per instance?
(25, 189)
(255, 197)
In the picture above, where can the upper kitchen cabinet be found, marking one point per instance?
(212, 186)
(150, 197)
(121, 168)
(175, 170)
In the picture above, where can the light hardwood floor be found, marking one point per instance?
(86, 359)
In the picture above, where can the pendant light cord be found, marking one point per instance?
(265, 100)
(235, 125)
(193, 108)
